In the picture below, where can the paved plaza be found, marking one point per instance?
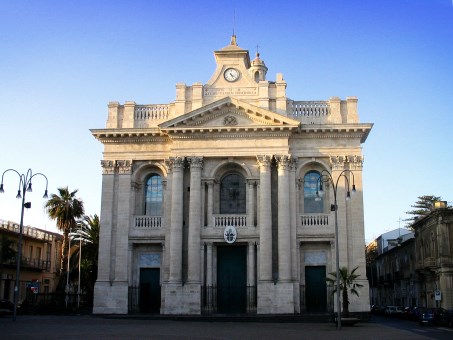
(95, 327)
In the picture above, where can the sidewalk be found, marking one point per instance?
(95, 327)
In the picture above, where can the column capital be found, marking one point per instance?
(251, 181)
(195, 162)
(124, 166)
(337, 162)
(264, 161)
(175, 163)
(355, 162)
(108, 167)
(283, 162)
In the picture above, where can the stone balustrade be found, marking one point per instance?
(222, 220)
(150, 115)
(310, 112)
(148, 222)
(314, 220)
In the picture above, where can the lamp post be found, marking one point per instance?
(67, 274)
(79, 236)
(326, 177)
(24, 187)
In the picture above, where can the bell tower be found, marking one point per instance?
(258, 69)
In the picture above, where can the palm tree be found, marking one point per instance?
(347, 281)
(65, 209)
(88, 234)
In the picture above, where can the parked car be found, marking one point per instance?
(427, 317)
(6, 307)
(443, 317)
(416, 312)
(394, 311)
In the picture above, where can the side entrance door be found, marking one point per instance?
(231, 279)
(149, 290)
(315, 289)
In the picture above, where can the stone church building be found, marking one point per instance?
(211, 203)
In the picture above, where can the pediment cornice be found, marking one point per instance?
(258, 119)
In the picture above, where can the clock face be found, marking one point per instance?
(231, 74)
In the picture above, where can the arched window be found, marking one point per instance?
(257, 76)
(232, 194)
(153, 195)
(312, 203)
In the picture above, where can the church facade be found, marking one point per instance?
(213, 203)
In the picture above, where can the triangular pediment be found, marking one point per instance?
(229, 113)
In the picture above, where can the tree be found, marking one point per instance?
(88, 234)
(7, 252)
(348, 281)
(64, 209)
(423, 206)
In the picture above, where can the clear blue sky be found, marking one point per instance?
(61, 62)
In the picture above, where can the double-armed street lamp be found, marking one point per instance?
(326, 177)
(24, 187)
(76, 236)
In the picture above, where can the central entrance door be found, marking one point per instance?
(149, 290)
(316, 289)
(231, 279)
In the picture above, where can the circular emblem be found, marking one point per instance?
(230, 234)
(231, 74)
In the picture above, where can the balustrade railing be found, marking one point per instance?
(148, 222)
(310, 112)
(309, 220)
(150, 115)
(221, 220)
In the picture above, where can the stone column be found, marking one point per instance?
(123, 219)
(284, 221)
(167, 219)
(194, 273)
(209, 264)
(265, 221)
(251, 264)
(293, 218)
(210, 214)
(337, 163)
(176, 220)
(105, 237)
(250, 203)
(202, 269)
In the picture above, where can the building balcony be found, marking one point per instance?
(316, 224)
(227, 220)
(28, 263)
(148, 222)
(427, 262)
(147, 226)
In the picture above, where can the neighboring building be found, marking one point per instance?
(210, 205)
(434, 261)
(392, 276)
(392, 238)
(40, 262)
(415, 269)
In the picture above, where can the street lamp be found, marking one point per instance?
(24, 187)
(326, 177)
(77, 236)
